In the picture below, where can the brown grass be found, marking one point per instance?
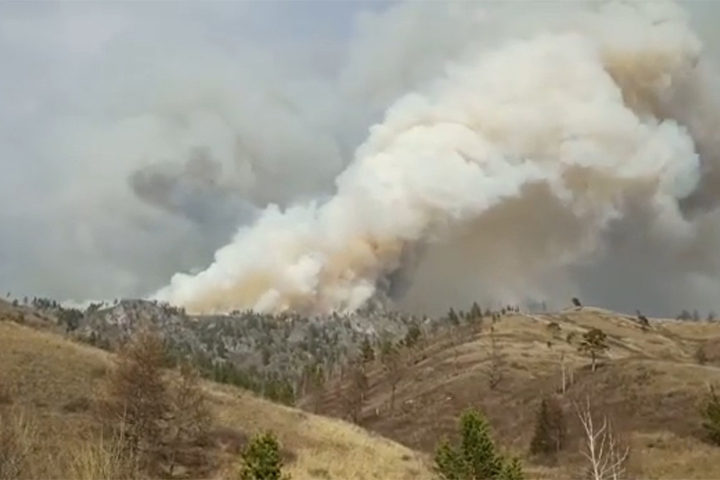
(101, 458)
(649, 383)
(55, 378)
(17, 438)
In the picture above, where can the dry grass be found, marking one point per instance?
(17, 439)
(101, 458)
(649, 383)
(57, 379)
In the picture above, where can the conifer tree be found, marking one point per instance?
(594, 342)
(550, 429)
(475, 458)
(366, 351)
(261, 459)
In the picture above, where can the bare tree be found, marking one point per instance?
(356, 390)
(562, 367)
(606, 459)
(394, 368)
(135, 395)
(495, 375)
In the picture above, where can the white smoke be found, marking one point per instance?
(503, 178)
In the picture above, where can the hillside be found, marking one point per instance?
(649, 383)
(53, 380)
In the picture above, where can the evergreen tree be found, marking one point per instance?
(511, 470)
(412, 336)
(594, 342)
(476, 457)
(477, 446)
(711, 415)
(366, 351)
(476, 311)
(449, 464)
(550, 429)
(261, 459)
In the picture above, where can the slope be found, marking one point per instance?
(53, 381)
(649, 383)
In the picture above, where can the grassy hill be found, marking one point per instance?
(649, 383)
(52, 381)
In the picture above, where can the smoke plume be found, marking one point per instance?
(527, 168)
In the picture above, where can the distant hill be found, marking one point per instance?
(53, 381)
(650, 383)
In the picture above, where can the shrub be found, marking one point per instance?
(103, 458)
(711, 415)
(135, 396)
(261, 459)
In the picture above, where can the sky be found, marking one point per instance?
(137, 136)
(69, 67)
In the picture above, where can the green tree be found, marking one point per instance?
(261, 459)
(394, 368)
(412, 336)
(711, 415)
(448, 462)
(476, 311)
(594, 343)
(475, 458)
(366, 351)
(550, 429)
(511, 470)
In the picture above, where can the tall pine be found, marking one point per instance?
(550, 429)
(475, 458)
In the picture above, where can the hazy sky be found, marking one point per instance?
(109, 109)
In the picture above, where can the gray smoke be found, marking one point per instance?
(168, 128)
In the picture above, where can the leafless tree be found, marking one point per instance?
(355, 391)
(606, 459)
(495, 375)
(394, 367)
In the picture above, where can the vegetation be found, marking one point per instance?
(16, 441)
(261, 459)
(550, 433)
(594, 343)
(711, 416)
(158, 419)
(392, 361)
(475, 458)
(59, 408)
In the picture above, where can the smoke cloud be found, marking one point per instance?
(515, 167)
(516, 153)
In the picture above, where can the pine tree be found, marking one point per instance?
(711, 414)
(366, 351)
(550, 428)
(511, 470)
(477, 447)
(412, 336)
(594, 342)
(261, 459)
(449, 464)
(476, 311)
(476, 457)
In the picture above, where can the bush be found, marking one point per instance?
(135, 396)
(711, 416)
(476, 457)
(261, 459)
(103, 458)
